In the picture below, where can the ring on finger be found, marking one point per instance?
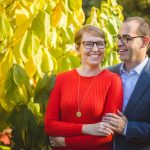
(51, 143)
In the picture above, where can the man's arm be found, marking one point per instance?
(133, 130)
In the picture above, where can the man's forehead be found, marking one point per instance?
(129, 27)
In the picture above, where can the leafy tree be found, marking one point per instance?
(108, 18)
(36, 42)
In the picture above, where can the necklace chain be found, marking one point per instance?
(78, 113)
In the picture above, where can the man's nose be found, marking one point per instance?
(120, 42)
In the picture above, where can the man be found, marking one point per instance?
(132, 125)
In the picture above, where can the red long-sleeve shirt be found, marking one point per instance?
(104, 95)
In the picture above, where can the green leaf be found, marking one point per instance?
(43, 88)
(4, 115)
(64, 64)
(16, 89)
(25, 127)
(6, 33)
(5, 147)
(19, 75)
(25, 49)
(41, 26)
(47, 62)
(112, 25)
(35, 44)
(37, 59)
(54, 36)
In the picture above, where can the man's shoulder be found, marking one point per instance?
(115, 68)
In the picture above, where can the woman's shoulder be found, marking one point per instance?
(66, 74)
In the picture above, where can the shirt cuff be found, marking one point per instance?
(125, 130)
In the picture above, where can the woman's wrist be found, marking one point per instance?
(85, 128)
(63, 142)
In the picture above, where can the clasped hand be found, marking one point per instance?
(117, 121)
(110, 123)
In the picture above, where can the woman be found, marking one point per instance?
(82, 96)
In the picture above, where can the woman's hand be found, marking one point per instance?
(97, 129)
(57, 141)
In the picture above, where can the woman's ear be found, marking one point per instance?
(77, 47)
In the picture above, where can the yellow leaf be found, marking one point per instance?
(20, 31)
(47, 62)
(22, 15)
(75, 5)
(25, 46)
(6, 62)
(59, 18)
(80, 16)
(6, 2)
(30, 68)
(37, 59)
(53, 37)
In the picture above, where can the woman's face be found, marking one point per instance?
(91, 50)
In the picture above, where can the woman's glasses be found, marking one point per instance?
(89, 44)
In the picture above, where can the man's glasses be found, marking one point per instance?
(126, 38)
(89, 44)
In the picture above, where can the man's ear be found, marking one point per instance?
(146, 41)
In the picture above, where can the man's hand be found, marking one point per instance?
(117, 121)
(97, 129)
(57, 141)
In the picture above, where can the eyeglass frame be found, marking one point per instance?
(93, 43)
(128, 38)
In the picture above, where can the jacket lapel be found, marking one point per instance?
(142, 83)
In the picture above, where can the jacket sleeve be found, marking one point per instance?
(138, 131)
(52, 124)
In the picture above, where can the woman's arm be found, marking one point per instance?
(52, 124)
(114, 99)
(87, 141)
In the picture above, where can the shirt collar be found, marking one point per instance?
(138, 69)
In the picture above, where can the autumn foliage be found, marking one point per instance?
(36, 42)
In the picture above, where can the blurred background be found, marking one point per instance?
(36, 43)
(130, 7)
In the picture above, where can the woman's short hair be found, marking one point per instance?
(93, 30)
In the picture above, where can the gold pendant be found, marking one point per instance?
(78, 114)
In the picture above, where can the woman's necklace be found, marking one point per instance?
(78, 113)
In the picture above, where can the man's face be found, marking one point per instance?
(131, 49)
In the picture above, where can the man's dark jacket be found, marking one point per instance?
(138, 113)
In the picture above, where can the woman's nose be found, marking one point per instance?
(95, 48)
